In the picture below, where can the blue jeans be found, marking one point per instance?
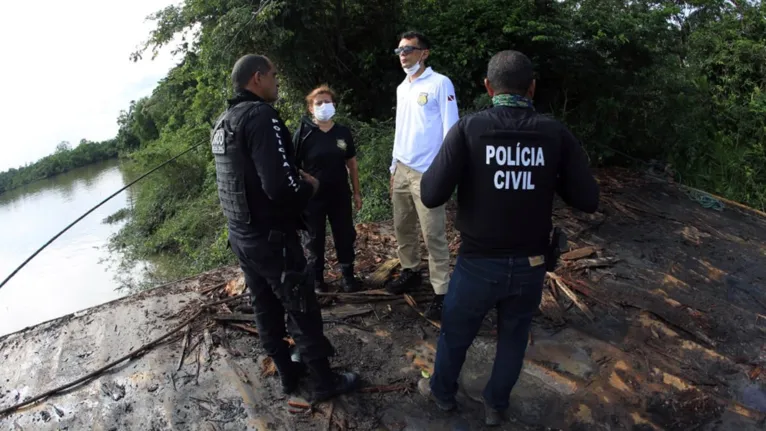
(477, 285)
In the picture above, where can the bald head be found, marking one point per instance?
(246, 67)
(510, 72)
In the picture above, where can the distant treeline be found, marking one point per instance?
(64, 159)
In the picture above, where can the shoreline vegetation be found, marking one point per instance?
(676, 87)
(64, 159)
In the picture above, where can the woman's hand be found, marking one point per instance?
(358, 201)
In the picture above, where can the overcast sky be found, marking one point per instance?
(66, 71)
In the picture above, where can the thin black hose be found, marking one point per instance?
(93, 209)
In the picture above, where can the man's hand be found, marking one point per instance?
(358, 201)
(311, 180)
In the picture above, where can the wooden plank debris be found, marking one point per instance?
(383, 273)
(551, 308)
(571, 295)
(579, 253)
(594, 263)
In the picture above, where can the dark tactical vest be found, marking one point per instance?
(228, 146)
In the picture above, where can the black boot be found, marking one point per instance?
(290, 372)
(408, 279)
(330, 384)
(319, 285)
(350, 283)
(434, 310)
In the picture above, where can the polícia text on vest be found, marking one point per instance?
(514, 156)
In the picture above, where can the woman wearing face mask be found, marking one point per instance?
(326, 150)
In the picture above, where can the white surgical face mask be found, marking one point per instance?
(324, 111)
(412, 70)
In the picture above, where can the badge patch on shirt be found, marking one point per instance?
(341, 144)
(218, 143)
(422, 99)
(536, 261)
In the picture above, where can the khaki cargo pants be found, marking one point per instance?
(408, 210)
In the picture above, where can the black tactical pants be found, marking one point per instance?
(262, 262)
(333, 203)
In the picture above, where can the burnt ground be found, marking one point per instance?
(656, 319)
(669, 333)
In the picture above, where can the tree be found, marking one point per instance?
(63, 147)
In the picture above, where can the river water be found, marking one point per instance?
(76, 271)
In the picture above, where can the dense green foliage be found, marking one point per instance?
(678, 83)
(65, 158)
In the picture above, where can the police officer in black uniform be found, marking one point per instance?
(263, 196)
(507, 162)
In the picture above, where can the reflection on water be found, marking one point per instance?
(75, 271)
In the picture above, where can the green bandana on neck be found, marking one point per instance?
(513, 100)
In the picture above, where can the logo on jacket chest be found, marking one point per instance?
(422, 99)
(341, 144)
(218, 144)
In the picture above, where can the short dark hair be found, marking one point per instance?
(510, 72)
(423, 41)
(246, 67)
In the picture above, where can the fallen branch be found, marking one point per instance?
(345, 311)
(328, 315)
(551, 308)
(594, 263)
(622, 209)
(362, 294)
(384, 389)
(411, 302)
(237, 317)
(356, 298)
(341, 322)
(227, 300)
(246, 328)
(185, 344)
(210, 289)
(199, 365)
(583, 288)
(563, 287)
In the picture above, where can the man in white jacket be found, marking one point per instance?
(426, 109)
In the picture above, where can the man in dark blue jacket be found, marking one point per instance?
(263, 196)
(507, 162)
